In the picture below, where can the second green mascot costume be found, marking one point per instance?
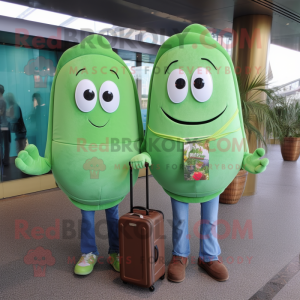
(94, 128)
(195, 139)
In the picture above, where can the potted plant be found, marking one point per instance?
(257, 115)
(287, 110)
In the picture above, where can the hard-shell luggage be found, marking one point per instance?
(142, 244)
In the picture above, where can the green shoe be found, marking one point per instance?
(86, 264)
(114, 261)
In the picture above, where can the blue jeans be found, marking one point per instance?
(209, 246)
(88, 240)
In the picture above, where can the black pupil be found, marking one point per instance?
(107, 96)
(180, 83)
(88, 95)
(199, 83)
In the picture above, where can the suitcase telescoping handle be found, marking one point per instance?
(147, 191)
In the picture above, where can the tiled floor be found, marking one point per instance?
(263, 266)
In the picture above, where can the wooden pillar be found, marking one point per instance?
(251, 40)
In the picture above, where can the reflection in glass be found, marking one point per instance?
(5, 133)
(15, 118)
(26, 75)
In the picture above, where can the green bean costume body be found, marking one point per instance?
(94, 127)
(194, 96)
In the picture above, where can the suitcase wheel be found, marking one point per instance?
(162, 277)
(152, 288)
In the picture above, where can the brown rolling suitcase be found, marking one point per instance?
(142, 244)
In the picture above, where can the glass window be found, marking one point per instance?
(142, 76)
(146, 76)
(129, 58)
(284, 74)
(127, 55)
(148, 58)
(132, 66)
(141, 71)
(26, 77)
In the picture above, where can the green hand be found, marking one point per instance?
(138, 161)
(30, 162)
(252, 162)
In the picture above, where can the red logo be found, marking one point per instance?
(39, 258)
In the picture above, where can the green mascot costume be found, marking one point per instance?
(195, 139)
(94, 128)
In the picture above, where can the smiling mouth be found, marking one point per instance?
(193, 123)
(97, 125)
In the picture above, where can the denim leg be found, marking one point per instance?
(209, 245)
(181, 242)
(112, 219)
(88, 240)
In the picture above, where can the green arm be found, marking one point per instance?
(138, 161)
(252, 162)
(30, 162)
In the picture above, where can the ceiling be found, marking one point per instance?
(167, 17)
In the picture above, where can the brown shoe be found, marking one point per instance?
(176, 270)
(214, 269)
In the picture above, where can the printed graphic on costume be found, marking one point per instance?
(94, 165)
(196, 160)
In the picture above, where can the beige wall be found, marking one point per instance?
(34, 184)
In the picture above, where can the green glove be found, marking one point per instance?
(138, 161)
(30, 162)
(252, 162)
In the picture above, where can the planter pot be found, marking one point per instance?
(234, 191)
(290, 148)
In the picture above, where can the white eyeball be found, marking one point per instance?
(202, 85)
(85, 95)
(109, 96)
(177, 86)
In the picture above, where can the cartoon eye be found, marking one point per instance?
(177, 86)
(86, 95)
(202, 85)
(109, 96)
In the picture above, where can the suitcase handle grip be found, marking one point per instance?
(138, 215)
(147, 188)
(142, 208)
(156, 252)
